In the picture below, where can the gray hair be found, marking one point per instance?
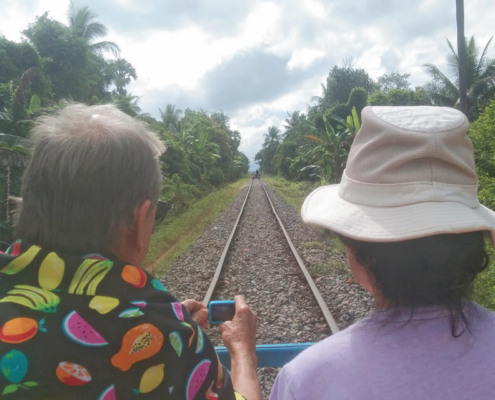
(90, 167)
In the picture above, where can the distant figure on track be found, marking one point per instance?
(78, 318)
(408, 212)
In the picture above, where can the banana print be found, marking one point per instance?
(21, 262)
(32, 297)
(88, 276)
(35, 281)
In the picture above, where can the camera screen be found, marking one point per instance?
(223, 312)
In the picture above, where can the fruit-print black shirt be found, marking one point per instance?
(91, 328)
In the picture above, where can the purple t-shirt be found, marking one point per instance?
(418, 360)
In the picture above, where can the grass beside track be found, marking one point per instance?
(295, 193)
(175, 234)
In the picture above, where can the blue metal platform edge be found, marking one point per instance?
(269, 355)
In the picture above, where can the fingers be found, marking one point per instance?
(240, 303)
(193, 305)
(201, 318)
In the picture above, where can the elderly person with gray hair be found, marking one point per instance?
(78, 318)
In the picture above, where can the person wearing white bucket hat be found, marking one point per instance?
(408, 212)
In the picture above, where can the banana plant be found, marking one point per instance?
(332, 146)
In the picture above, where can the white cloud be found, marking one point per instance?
(15, 16)
(177, 58)
(303, 58)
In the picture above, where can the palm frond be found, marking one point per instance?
(482, 60)
(102, 47)
(94, 30)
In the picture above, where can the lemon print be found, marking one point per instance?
(51, 272)
(152, 377)
(103, 304)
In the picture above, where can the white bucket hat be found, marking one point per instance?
(410, 174)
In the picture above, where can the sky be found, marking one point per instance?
(257, 60)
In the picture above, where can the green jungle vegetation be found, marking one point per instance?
(177, 232)
(55, 62)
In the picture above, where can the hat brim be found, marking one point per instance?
(325, 208)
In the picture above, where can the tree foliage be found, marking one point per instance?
(340, 82)
(60, 61)
(480, 78)
(393, 80)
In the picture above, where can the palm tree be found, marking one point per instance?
(171, 117)
(273, 136)
(480, 77)
(83, 24)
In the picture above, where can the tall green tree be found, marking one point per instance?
(170, 117)
(339, 84)
(480, 78)
(83, 24)
(393, 80)
(121, 72)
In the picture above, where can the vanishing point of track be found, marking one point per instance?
(319, 299)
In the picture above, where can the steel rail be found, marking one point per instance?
(323, 306)
(218, 270)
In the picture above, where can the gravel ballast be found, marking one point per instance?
(261, 267)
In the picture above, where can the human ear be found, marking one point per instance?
(141, 218)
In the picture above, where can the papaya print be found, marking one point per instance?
(158, 285)
(51, 272)
(176, 342)
(201, 341)
(177, 308)
(47, 351)
(103, 304)
(14, 367)
(151, 379)
(210, 394)
(193, 333)
(131, 313)
(88, 276)
(32, 297)
(72, 374)
(108, 394)
(139, 343)
(196, 379)
(134, 276)
(21, 262)
(79, 331)
(19, 330)
(139, 303)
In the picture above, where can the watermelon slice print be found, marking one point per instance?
(197, 378)
(139, 303)
(108, 394)
(177, 307)
(78, 330)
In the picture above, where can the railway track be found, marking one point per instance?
(309, 280)
(256, 260)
